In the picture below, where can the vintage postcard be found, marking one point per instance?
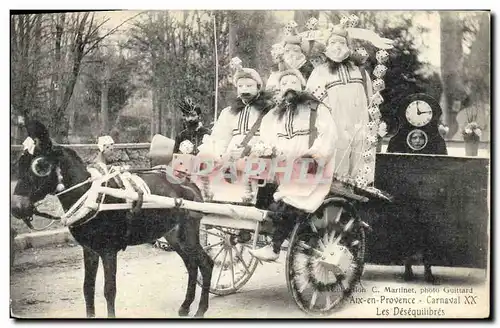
(250, 164)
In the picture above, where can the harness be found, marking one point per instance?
(87, 206)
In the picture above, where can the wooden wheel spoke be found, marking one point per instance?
(332, 236)
(304, 287)
(337, 217)
(240, 256)
(326, 239)
(301, 269)
(221, 267)
(328, 302)
(309, 248)
(211, 233)
(315, 230)
(232, 266)
(221, 249)
(314, 297)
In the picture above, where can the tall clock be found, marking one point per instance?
(418, 116)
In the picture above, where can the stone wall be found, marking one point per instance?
(134, 155)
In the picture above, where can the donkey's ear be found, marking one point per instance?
(38, 132)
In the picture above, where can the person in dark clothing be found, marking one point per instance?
(188, 140)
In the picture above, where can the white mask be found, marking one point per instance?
(293, 56)
(247, 88)
(337, 49)
(289, 82)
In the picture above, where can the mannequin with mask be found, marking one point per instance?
(345, 86)
(237, 120)
(290, 128)
(191, 137)
(303, 51)
(272, 84)
(294, 52)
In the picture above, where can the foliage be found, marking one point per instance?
(47, 54)
(175, 52)
(477, 55)
(121, 85)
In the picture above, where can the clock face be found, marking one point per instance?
(417, 139)
(419, 113)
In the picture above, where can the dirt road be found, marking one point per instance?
(47, 283)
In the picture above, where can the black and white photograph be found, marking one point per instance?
(250, 164)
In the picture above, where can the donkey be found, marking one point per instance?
(111, 231)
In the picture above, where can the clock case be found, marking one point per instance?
(435, 142)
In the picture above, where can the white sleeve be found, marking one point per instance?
(327, 134)
(369, 86)
(316, 82)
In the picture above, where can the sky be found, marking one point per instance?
(429, 49)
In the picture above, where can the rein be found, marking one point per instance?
(105, 177)
(73, 208)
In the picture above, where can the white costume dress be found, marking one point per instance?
(290, 136)
(229, 131)
(344, 92)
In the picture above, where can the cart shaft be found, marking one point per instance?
(155, 201)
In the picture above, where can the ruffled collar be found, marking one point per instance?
(263, 101)
(302, 97)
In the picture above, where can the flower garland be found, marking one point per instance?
(376, 128)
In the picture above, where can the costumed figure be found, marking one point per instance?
(295, 48)
(229, 133)
(188, 141)
(299, 127)
(272, 84)
(346, 87)
(303, 51)
(314, 44)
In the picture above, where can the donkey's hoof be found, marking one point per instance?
(199, 314)
(183, 312)
(408, 276)
(431, 279)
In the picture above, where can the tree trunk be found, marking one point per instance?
(60, 120)
(155, 118)
(451, 67)
(233, 33)
(104, 99)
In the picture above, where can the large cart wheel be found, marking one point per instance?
(233, 264)
(325, 257)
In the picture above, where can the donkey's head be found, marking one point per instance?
(39, 172)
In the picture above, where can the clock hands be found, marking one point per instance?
(419, 112)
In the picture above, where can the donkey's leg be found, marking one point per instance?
(91, 264)
(206, 265)
(408, 274)
(109, 264)
(428, 276)
(191, 264)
